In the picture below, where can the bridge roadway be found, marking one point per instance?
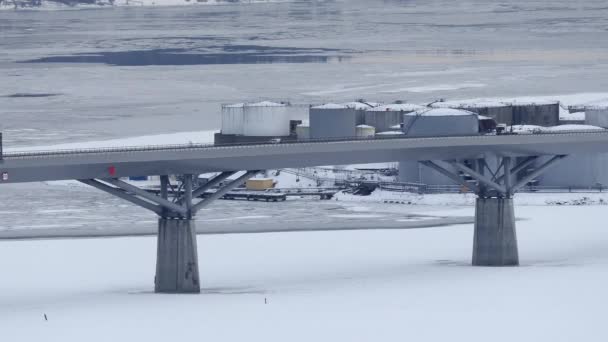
(488, 160)
(194, 159)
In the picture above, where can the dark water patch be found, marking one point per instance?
(229, 54)
(18, 95)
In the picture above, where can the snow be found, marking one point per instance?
(525, 128)
(201, 137)
(264, 104)
(330, 106)
(236, 105)
(397, 107)
(576, 116)
(562, 128)
(390, 133)
(358, 105)
(440, 112)
(381, 285)
(364, 126)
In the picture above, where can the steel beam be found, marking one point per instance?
(519, 167)
(188, 194)
(210, 184)
(221, 192)
(479, 177)
(121, 194)
(148, 196)
(506, 165)
(537, 172)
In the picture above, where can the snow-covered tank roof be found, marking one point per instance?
(365, 126)
(235, 105)
(331, 106)
(440, 112)
(265, 104)
(397, 107)
(396, 127)
(359, 105)
(562, 128)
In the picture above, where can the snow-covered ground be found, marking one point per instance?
(323, 286)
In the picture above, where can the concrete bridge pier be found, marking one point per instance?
(495, 240)
(176, 258)
(494, 180)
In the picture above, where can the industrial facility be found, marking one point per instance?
(281, 121)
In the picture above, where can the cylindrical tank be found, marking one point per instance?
(363, 131)
(232, 119)
(265, 118)
(500, 112)
(384, 118)
(303, 131)
(578, 170)
(360, 109)
(596, 116)
(536, 113)
(332, 121)
(434, 122)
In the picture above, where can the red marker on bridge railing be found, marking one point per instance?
(112, 170)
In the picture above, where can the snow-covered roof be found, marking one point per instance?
(365, 126)
(483, 117)
(331, 106)
(441, 112)
(397, 107)
(396, 126)
(359, 105)
(390, 133)
(305, 123)
(235, 105)
(562, 128)
(265, 104)
(469, 104)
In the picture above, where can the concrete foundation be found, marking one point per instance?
(495, 241)
(176, 259)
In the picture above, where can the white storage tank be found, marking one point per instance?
(434, 122)
(365, 131)
(232, 119)
(360, 109)
(384, 118)
(265, 119)
(580, 170)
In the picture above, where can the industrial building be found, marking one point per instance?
(272, 121)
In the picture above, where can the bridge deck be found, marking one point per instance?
(193, 158)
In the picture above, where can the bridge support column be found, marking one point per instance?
(176, 259)
(495, 240)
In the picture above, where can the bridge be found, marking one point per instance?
(489, 165)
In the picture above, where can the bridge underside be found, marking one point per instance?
(493, 179)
